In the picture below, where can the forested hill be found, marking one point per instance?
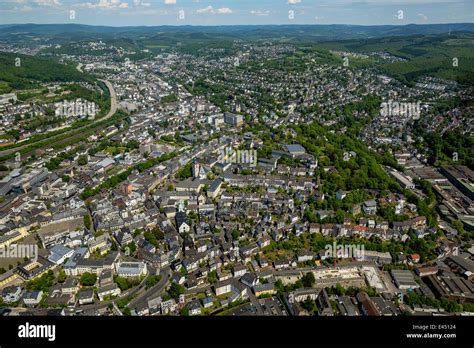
(423, 54)
(32, 70)
(295, 33)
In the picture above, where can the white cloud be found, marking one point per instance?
(23, 8)
(141, 3)
(224, 10)
(292, 2)
(338, 3)
(170, 2)
(208, 9)
(423, 16)
(48, 2)
(105, 4)
(260, 13)
(211, 10)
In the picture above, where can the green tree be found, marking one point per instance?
(175, 290)
(42, 283)
(87, 221)
(131, 247)
(82, 160)
(88, 279)
(212, 277)
(122, 283)
(457, 224)
(339, 290)
(62, 276)
(185, 172)
(235, 234)
(308, 280)
(66, 178)
(309, 305)
(151, 238)
(152, 281)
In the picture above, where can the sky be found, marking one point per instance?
(236, 12)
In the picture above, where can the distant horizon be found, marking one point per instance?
(239, 25)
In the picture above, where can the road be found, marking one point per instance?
(152, 292)
(142, 298)
(253, 299)
(113, 109)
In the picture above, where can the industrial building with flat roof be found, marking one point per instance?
(462, 177)
(403, 180)
(404, 279)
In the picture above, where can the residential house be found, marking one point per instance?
(32, 298)
(86, 296)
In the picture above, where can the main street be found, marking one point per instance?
(152, 292)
